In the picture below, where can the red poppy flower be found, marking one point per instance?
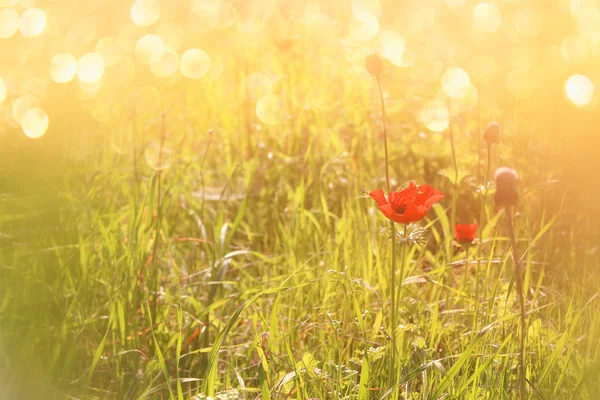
(407, 205)
(465, 233)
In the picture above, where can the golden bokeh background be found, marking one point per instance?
(78, 72)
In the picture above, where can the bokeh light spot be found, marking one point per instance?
(367, 6)
(392, 46)
(149, 49)
(256, 86)
(194, 63)
(574, 49)
(588, 22)
(145, 12)
(172, 34)
(580, 90)
(110, 50)
(576, 6)
(269, 109)
(22, 105)
(435, 116)
(216, 69)
(203, 16)
(528, 23)
(365, 27)
(456, 82)
(3, 90)
(32, 22)
(35, 123)
(455, 3)
(9, 22)
(227, 15)
(63, 68)
(487, 17)
(167, 65)
(90, 67)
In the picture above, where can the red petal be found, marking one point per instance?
(428, 196)
(414, 213)
(378, 196)
(388, 211)
(405, 196)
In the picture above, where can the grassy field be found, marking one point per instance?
(201, 239)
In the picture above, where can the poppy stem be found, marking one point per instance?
(521, 298)
(392, 364)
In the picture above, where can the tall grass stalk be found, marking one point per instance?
(484, 195)
(521, 299)
(455, 182)
(392, 365)
(155, 275)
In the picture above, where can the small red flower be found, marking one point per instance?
(407, 205)
(465, 233)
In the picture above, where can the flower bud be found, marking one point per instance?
(507, 191)
(492, 133)
(374, 65)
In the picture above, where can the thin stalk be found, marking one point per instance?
(385, 141)
(479, 139)
(480, 233)
(466, 268)
(393, 230)
(521, 296)
(155, 275)
(455, 191)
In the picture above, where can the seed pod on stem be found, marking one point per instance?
(374, 65)
(507, 192)
(492, 133)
